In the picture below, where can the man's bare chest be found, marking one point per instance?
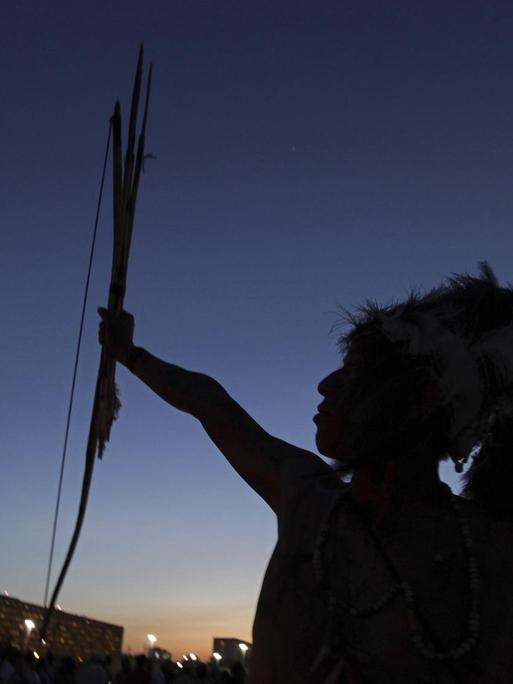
(373, 628)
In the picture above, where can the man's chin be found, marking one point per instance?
(343, 458)
(341, 467)
(326, 448)
(335, 454)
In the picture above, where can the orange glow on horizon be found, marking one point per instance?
(191, 636)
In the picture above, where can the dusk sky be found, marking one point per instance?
(308, 156)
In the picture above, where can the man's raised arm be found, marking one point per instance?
(256, 455)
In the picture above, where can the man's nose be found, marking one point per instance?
(328, 383)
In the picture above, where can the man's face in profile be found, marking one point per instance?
(335, 419)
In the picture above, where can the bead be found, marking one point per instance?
(408, 593)
(458, 652)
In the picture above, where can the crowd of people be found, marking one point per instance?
(18, 667)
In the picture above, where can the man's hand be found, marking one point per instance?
(116, 334)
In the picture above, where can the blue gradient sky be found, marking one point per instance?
(309, 155)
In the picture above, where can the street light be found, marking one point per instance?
(29, 625)
(192, 656)
(152, 639)
(244, 649)
(217, 656)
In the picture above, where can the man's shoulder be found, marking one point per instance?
(308, 486)
(307, 476)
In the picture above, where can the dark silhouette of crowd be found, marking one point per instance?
(27, 667)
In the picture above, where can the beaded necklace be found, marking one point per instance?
(415, 621)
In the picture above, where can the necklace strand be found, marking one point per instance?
(425, 648)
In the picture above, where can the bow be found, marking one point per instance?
(106, 403)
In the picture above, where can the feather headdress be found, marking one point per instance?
(462, 333)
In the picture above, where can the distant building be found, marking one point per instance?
(232, 650)
(68, 634)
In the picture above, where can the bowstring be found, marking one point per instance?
(75, 368)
